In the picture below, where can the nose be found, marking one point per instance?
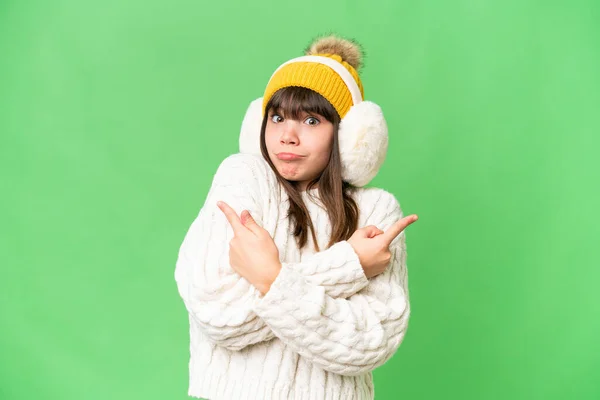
(288, 133)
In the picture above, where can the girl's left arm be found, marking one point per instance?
(346, 336)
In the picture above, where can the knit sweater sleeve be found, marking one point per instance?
(337, 270)
(219, 300)
(215, 296)
(346, 336)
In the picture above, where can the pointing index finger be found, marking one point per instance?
(397, 228)
(231, 216)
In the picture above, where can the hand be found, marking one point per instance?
(252, 252)
(372, 245)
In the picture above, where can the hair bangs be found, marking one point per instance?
(294, 101)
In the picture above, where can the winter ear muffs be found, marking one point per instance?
(363, 139)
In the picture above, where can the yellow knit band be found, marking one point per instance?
(318, 77)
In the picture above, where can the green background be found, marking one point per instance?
(114, 115)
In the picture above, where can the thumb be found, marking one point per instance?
(249, 222)
(371, 231)
(375, 232)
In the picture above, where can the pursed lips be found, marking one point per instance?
(289, 156)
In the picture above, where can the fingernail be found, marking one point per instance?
(219, 204)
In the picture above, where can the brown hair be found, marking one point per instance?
(335, 194)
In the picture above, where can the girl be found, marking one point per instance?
(287, 298)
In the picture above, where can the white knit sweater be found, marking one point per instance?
(322, 327)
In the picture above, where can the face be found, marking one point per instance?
(299, 149)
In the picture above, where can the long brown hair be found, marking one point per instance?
(334, 193)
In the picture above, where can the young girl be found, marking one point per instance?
(287, 297)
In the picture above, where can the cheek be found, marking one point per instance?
(273, 132)
(322, 160)
(272, 142)
(269, 140)
(321, 146)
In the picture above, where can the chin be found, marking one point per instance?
(288, 176)
(293, 177)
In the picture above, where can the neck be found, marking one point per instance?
(302, 186)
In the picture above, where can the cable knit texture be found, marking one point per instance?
(322, 328)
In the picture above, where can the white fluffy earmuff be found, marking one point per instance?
(363, 139)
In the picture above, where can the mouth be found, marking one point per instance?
(289, 156)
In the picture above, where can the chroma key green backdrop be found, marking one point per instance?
(114, 115)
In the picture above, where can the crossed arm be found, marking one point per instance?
(324, 308)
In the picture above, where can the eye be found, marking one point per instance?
(276, 118)
(312, 121)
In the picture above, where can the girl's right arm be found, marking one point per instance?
(216, 297)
